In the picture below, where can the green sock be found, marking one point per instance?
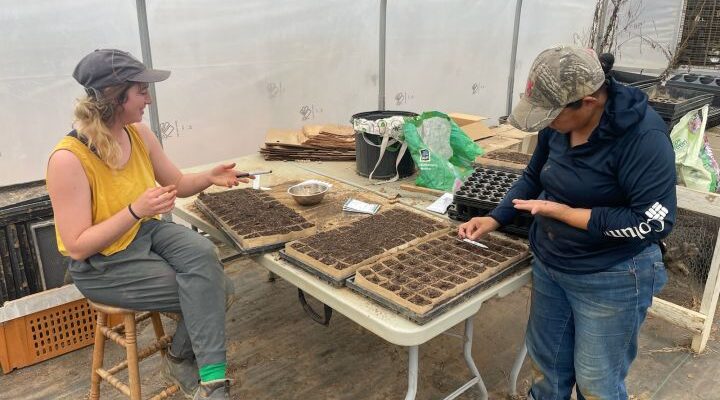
(212, 372)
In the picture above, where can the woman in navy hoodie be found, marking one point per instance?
(601, 184)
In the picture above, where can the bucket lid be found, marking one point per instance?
(381, 123)
(376, 115)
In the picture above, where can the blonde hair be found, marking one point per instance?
(94, 114)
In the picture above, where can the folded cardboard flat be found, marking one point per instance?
(283, 137)
(477, 130)
(498, 142)
(528, 139)
(465, 119)
(312, 142)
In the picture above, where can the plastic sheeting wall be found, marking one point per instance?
(544, 24)
(42, 41)
(646, 28)
(239, 68)
(451, 56)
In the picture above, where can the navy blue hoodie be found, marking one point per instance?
(625, 174)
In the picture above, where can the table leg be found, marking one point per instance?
(412, 372)
(516, 369)
(467, 352)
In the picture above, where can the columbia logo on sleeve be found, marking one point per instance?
(656, 222)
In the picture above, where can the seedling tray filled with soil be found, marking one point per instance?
(22, 194)
(254, 220)
(510, 161)
(336, 254)
(423, 280)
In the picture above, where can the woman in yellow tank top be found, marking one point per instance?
(102, 183)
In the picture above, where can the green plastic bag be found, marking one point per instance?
(695, 165)
(442, 152)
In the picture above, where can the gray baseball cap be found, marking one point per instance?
(109, 67)
(558, 77)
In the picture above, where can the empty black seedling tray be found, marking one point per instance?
(635, 79)
(674, 102)
(702, 83)
(485, 187)
(481, 192)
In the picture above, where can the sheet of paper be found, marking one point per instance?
(441, 205)
(354, 205)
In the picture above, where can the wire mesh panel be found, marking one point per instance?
(690, 249)
(700, 43)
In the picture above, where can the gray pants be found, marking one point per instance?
(166, 268)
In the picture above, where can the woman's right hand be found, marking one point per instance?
(154, 201)
(477, 227)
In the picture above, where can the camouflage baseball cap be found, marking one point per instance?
(558, 77)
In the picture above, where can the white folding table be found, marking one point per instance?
(372, 316)
(393, 327)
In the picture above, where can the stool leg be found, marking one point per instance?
(98, 355)
(158, 327)
(132, 356)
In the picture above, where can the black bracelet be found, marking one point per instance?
(133, 213)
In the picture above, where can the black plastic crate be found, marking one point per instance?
(704, 83)
(673, 102)
(713, 119)
(20, 273)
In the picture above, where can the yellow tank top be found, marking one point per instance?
(112, 190)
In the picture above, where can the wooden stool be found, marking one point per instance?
(129, 342)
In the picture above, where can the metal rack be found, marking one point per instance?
(703, 36)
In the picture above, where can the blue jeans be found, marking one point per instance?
(583, 329)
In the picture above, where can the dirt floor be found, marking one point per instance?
(276, 352)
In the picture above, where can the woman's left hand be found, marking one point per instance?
(545, 208)
(226, 175)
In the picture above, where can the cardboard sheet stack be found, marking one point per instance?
(312, 142)
(491, 138)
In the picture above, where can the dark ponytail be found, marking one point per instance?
(606, 60)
